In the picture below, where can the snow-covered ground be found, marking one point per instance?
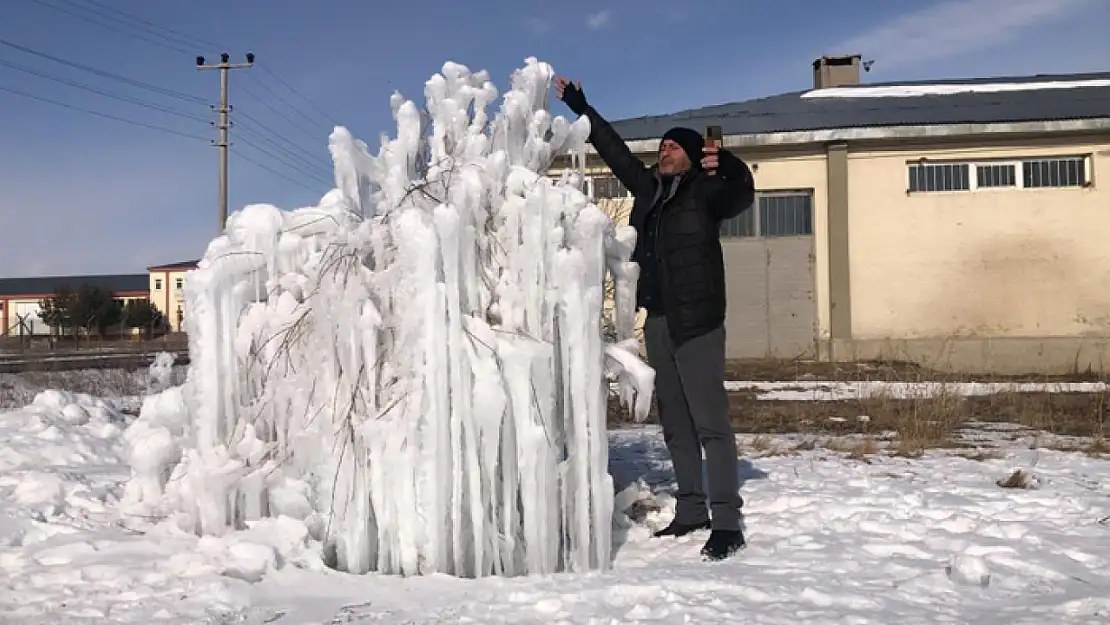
(832, 540)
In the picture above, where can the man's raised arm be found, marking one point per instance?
(733, 188)
(629, 169)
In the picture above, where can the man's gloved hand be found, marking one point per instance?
(571, 95)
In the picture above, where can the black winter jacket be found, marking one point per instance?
(687, 244)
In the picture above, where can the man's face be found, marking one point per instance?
(672, 158)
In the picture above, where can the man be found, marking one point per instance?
(678, 209)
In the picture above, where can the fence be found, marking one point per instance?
(57, 353)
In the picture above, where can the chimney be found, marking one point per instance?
(836, 71)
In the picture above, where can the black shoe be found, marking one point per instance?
(681, 529)
(722, 544)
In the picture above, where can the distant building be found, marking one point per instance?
(162, 285)
(962, 224)
(166, 284)
(20, 297)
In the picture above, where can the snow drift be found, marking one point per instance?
(416, 368)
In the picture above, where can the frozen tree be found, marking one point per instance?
(415, 367)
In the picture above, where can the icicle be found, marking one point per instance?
(423, 353)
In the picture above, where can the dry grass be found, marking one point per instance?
(923, 422)
(1098, 447)
(766, 446)
(881, 371)
(912, 424)
(1018, 479)
(762, 443)
(853, 447)
(864, 449)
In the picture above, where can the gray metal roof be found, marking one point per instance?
(790, 112)
(184, 264)
(46, 286)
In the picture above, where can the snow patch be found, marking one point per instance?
(911, 91)
(60, 428)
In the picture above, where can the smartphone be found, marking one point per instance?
(713, 136)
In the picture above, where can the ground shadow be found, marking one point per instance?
(642, 472)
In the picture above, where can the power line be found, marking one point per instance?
(263, 102)
(176, 36)
(292, 154)
(288, 86)
(254, 123)
(99, 72)
(184, 38)
(123, 98)
(286, 102)
(109, 26)
(104, 115)
(109, 17)
(250, 160)
(312, 176)
(291, 165)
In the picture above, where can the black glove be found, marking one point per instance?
(575, 99)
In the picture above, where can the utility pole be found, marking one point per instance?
(223, 125)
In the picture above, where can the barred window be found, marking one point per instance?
(1035, 173)
(785, 215)
(927, 177)
(775, 214)
(608, 187)
(988, 176)
(743, 225)
(1055, 172)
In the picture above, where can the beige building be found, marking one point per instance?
(20, 298)
(960, 224)
(166, 288)
(162, 284)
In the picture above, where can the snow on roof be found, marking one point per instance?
(909, 91)
(1001, 100)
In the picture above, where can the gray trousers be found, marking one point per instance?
(693, 409)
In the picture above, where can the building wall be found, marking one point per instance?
(12, 307)
(797, 170)
(166, 293)
(27, 307)
(1006, 277)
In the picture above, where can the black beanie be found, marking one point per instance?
(690, 141)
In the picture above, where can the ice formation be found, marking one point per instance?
(161, 372)
(415, 368)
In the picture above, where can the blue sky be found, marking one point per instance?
(85, 194)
